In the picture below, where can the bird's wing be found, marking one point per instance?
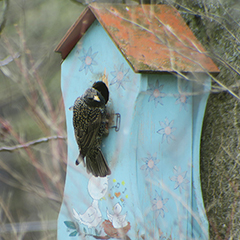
(110, 216)
(86, 125)
(94, 122)
(121, 218)
(75, 215)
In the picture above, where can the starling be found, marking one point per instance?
(89, 122)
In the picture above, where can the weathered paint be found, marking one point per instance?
(154, 187)
(152, 38)
(75, 33)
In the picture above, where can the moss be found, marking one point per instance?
(220, 165)
(215, 26)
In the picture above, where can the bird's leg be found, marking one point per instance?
(111, 122)
(106, 129)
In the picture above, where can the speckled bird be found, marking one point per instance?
(89, 122)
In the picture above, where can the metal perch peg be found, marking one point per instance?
(118, 122)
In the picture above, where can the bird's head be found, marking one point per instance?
(93, 98)
(103, 89)
(117, 208)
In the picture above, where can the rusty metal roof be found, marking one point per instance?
(152, 38)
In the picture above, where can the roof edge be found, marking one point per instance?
(75, 32)
(85, 20)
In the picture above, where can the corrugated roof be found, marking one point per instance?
(152, 38)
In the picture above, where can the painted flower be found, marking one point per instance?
(88, 60)
(120, 76)
(167, 130)
(182, 98)
(158, 205)
(150, 165)
(180, 179)
(156, 93)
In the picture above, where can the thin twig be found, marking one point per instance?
(4, 15)
(28, 144)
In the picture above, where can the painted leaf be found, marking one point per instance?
(70, 224)
(73, 234)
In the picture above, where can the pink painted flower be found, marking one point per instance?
(180, 179)
(88, 60)
(120, 76)
(183, 98)
(150, 165)
(158, 205)
(167, 130)
(156, 94)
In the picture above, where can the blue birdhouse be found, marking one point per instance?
(158, 77)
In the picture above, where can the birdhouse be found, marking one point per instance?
(158, 78)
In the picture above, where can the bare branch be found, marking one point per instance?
(28, 144)
(4, 15)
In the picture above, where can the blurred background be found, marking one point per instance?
(32, 122)
(32, 112)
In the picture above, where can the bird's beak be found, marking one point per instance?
(96, 98)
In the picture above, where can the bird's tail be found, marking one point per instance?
(97, 165)
(80, 159)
